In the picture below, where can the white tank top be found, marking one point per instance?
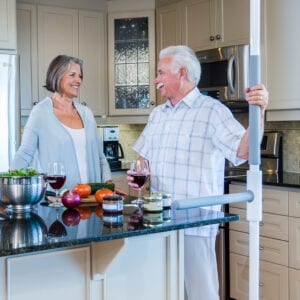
(78, 136)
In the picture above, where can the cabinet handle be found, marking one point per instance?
(35, 102)
(152, 102)
(261, 248)
(261, 284)
(211, 38)
(261, 223)
(218, 37)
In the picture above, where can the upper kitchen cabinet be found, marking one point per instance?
(281, 59)
(47, 31)
(131, 56)
(27, 50)
(8, 31)
(203, 24)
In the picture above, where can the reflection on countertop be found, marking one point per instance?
(30, 232)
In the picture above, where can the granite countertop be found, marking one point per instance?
(283, 179)
(30, 232)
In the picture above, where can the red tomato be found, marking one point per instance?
(84, 190)
(101, 193)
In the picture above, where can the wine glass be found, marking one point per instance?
(140, 172)
(56, 177)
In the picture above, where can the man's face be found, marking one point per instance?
(167, 82)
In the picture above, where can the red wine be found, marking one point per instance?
(140, 179)
(56, 181)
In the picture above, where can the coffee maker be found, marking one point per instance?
(111, 147)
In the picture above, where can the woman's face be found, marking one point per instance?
(71, 81)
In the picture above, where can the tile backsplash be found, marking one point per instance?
(290, 130)
(290, 139)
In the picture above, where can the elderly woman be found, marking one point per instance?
(61, 129)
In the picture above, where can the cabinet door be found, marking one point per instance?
(168, 30)
(131, 57)
(43, 276)
(27, 50)
(8, 30)
(273, 279)
(57, 34)
(282, 61)
(92, 45)
(294, 284)
(235, 26)
(198, 24)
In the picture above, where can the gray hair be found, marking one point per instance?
(183, 56)
(57, 68)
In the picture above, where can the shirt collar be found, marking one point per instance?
(188, 100)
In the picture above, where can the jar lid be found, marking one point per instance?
(153, 198)
(113, 198)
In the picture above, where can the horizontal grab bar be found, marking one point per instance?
(247, 196)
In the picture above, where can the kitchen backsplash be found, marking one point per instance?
(291, 140)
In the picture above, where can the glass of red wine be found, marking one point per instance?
(140, 171)
(56, 177)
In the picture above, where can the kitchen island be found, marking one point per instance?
(88, 255)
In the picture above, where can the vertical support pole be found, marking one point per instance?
(254, 175)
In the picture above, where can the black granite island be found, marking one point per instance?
(81, 254)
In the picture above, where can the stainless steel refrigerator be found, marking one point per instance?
(9, 109)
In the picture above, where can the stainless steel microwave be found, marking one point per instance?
(225, 73)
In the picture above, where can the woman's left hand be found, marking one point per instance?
(257, 95)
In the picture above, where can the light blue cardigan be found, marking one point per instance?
(45, 139)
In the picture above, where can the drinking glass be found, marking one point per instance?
(140, 171)
(56, 177)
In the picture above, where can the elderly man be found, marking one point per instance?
(186, 141)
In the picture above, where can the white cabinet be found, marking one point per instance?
(279, 245)
(27, 51)
(57, 34)
(131, 59)
(280, 58)
(203, 24)
(92, 49)
(51, 275)
(47, 31)
(8, 31)
(274, 246)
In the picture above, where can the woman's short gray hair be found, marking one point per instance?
(58, 66)
(183, 56)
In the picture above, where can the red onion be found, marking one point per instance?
(70, 217)
(70, 199)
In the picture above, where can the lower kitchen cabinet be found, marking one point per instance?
(273, 283)
(294, 286)
(108, 270)
(279, 245)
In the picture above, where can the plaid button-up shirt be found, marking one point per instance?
(187, 146)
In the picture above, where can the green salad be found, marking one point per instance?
(20, 172)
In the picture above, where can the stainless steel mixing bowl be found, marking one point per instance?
(22, 229)
(19, 193)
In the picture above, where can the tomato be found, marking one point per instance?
(85, 212)
(84, 190)
(99, 211)
(101, 193)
